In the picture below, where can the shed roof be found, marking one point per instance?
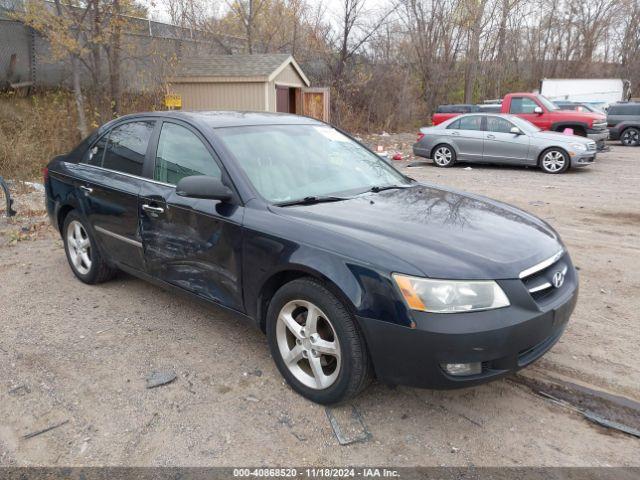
(257, 66)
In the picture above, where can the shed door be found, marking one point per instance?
(282, 99)
(315, 103)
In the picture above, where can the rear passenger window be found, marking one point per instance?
(95, 154)
(454, 125)
(182, 154)
(471, 123)
(127, 147)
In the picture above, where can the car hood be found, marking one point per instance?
(586, 117)
(562, 137)
(441, 232)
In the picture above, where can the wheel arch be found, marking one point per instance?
(628, 127)
(61, 215)
(559, 126)
(288, 274)
(445, 144)
(552, 147)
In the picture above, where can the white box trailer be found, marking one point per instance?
(603, 91)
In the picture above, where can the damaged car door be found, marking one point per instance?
(192, 243)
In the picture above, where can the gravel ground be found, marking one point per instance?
(76, 357)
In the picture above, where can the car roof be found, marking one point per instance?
(486, 114)
(221, 119)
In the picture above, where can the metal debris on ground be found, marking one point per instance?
(598, 406)
(157, 379)
(44, 430)
(19, 391)
(348, 425)
(10, 212)
(594, 417)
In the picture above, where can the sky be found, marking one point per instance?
(158, 10)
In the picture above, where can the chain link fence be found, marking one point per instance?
(149, 49)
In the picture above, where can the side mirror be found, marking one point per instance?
(516, 131)
(537, 110)
(203, 186)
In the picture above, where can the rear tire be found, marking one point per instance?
(325, 358)
(554, 160)
(85, 258)
(630, 137)
(444, 156)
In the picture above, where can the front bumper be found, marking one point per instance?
(582, 159)
(599, 136)
(504, 340)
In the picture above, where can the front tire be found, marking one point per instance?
(554, 160)
(316, 344)
(85, 259)
(630, 137)
(444, 156)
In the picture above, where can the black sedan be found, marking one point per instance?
(352, 269)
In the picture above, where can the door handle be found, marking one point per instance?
(87, 190)
(455, 133)
(491, 137)
(152, 210)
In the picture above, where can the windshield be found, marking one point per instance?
(292, 162)
(548, 104)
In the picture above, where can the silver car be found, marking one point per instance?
(502, 139)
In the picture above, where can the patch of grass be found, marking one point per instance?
(33, 130)
(36, 128)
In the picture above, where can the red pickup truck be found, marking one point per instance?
(545, 115)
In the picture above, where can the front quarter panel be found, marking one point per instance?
(273, 244)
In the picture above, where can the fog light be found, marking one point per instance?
(461, 369)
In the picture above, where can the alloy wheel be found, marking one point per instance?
(442, 156)
(553, 161)
(79, 246)
(308, 344)
(631, 137)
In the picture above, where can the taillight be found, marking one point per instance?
(420, 136)
(45, 174)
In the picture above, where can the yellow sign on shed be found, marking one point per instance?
(172, 100)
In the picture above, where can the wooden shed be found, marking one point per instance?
(259, 82)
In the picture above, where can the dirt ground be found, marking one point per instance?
(75, 357)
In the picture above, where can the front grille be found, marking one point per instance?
(538, 280)
(599, 126)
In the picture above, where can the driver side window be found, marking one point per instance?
(499, 125)
(182, 154)
(522, 105)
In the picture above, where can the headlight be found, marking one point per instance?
(578, 146)
(450, 296)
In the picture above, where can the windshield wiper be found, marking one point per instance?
(378, 188)
(310, 201)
